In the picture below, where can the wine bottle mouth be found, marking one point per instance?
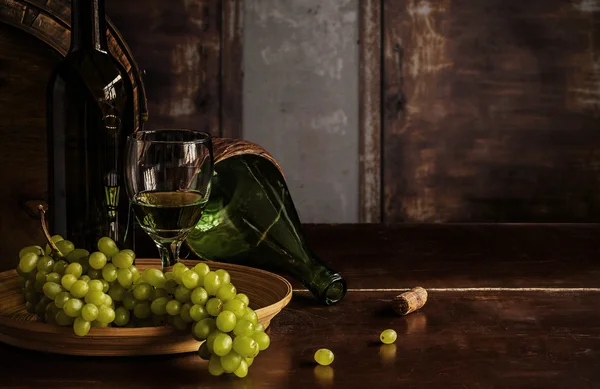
(335, 291)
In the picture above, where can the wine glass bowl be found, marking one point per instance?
(168, 180)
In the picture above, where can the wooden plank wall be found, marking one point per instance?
(491, 111)
(191, 53)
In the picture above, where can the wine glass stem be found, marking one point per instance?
(169, 253)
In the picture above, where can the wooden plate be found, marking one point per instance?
(268, 293)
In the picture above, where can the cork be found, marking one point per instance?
(410, 301)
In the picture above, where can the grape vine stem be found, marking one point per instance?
(45, 229)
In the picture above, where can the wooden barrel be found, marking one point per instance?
(34, 36)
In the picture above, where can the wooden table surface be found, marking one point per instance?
(510, 306)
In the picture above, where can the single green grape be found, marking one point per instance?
(79, 289)
(41, 277)
(154, 277)
(182, 294)
(30, 307)
(122, 316)
(243, 327)
(65, 247)
(28, 262)
(77, 254)
(178, 322)
(62, 319)
(214, 306)
(107, 246)
(201, 269)
(45, 264)
(170, 285)
(85, 278)
(158, 293)
(237, 307)
(97, 260)
(74, 268)
(73, 307)
(142, 291)
(173, 307)
(198, 312)
(85, 264)
(108, 301)
(125, 277)
(324, 357)
(81, 327)
(185, 313)
(109, 272)
(245, 346)
(95, 297)
(105, 285)
(53, 277)
(249, 360)
(37, 250)
(129, 252)
(122, 260)
(226, 292)
(203, 352)
(388, 336)
(214, 366)
(243, 297)
(116, 292)
(262, 339)
(242, 369)
(258, 327)
(60, 266)
(94, 274)
(129, 302)
(212, 283)
(33, 297)
(199, 296)
(190, 279)
(61, 298)
(169, 275)
(231, 361)
(68, 280)
(99, 324)
(142, 310)
(224, 276)
(135, 273)
(95, 285)
(222, 344)
(105, 314)
(31, 275)
(89, 312)
(226, 321)
(159, 306)
(30, 286)
(203, 328)
(54, 239)
(178, 270)
(51, 289)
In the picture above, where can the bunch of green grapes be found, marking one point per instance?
(104, 288)
(72, 287)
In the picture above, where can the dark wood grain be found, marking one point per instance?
(491, 111)
(458, 340)
(232, 72)
(369, 111)
(460, 255)
(25, 65)
(178, 45)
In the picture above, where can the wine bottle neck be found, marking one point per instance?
(88, 25)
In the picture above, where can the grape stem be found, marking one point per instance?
(55, 249)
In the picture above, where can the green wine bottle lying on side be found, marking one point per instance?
(251, 220)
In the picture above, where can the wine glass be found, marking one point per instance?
(168, 178)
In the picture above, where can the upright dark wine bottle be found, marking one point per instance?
(90, 112)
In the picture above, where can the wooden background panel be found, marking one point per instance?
(178, 45)
(491, 111)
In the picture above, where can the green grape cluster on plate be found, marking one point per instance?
(73, 287)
